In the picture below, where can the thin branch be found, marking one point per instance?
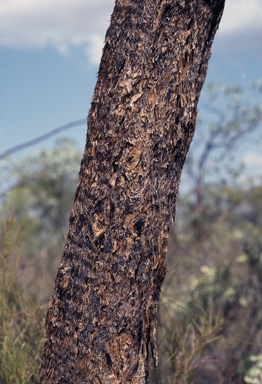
(41, 138)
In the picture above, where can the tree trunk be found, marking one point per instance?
(102, 318)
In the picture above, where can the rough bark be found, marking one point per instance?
(102, 318)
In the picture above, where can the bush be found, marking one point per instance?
(21, 321)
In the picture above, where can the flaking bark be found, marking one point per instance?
(102, 318)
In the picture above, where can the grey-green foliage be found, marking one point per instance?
(210, 313)
(42, 189)
(254, 373)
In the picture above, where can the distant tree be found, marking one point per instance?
(38, 191)
(229, 117)
(102, 319)
(43, 186)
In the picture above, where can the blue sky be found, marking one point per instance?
(50, 51)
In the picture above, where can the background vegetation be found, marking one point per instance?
(210, 313)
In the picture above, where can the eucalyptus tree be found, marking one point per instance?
(233, 116)
(102, 318)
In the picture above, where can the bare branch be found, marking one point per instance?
(41, 138)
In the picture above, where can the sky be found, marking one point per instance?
(50, 52)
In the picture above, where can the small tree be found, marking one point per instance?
(102, 318)
(230, 119)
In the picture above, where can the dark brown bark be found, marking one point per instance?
(102, 318)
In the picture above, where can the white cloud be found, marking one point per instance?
(94, 48)
(252, 158)
(63, 24)
(241, 15)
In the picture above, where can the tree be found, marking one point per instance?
(39, 189)
(45, 183)
(102, 318)
(211, 159)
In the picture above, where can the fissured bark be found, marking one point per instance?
(102, 318)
